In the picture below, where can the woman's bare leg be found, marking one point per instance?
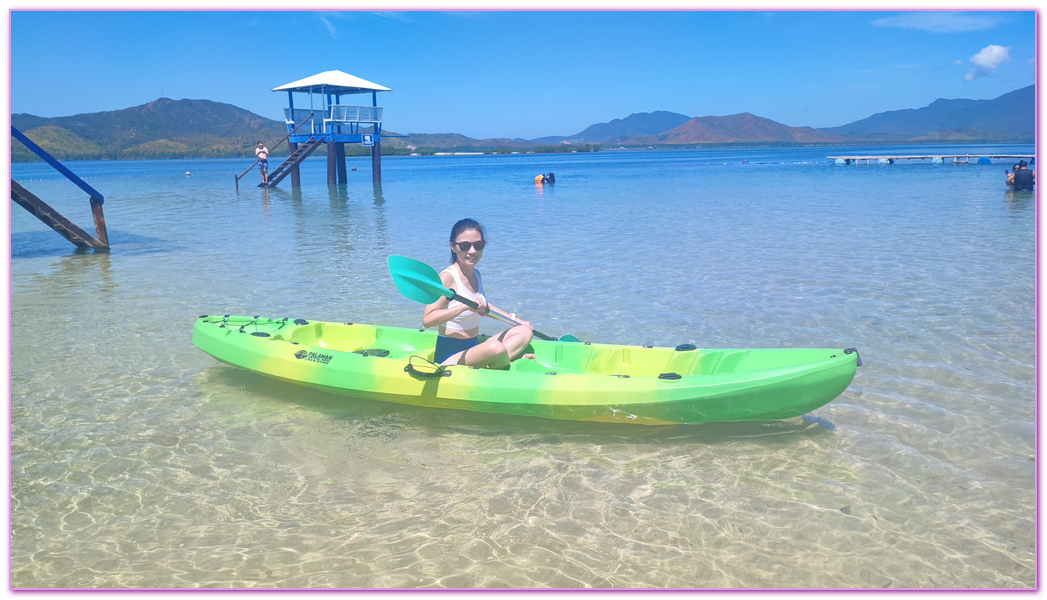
(516, 340)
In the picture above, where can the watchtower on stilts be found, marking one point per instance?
(329, 121)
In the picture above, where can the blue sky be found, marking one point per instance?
(526, 74)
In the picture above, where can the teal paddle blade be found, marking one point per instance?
(417, 280)
(421, 283)
(569, 338)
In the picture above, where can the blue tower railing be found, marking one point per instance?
(336, 122)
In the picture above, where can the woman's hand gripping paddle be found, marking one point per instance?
(421, 283)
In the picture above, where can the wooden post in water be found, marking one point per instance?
(296, 175)
(376, 160)
(100, 231)
(331, 169)
(340, 162)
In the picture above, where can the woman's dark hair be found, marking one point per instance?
(465, 225)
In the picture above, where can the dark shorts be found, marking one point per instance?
(263, 165)
(446, 346)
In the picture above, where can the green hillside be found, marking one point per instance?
(59, 142)
(163, 128)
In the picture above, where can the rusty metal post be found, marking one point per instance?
(100, 231)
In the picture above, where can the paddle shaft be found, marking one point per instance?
(497, 315)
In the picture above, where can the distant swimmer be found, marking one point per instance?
(539, 179)
(263, 161)
(550, 178)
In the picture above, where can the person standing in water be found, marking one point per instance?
(263, 161)
(1022, 177)
(458, 341)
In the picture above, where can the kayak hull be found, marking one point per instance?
(567, 380)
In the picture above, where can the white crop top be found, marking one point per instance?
(469, 319)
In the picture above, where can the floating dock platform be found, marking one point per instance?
(963, 159)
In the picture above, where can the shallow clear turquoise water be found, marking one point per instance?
(139, 461)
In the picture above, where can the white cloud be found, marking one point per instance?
(331, 30)
(393, 15)
(329, 18)
(986, 61)
(942, 22)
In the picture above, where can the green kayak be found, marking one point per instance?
(567, 380)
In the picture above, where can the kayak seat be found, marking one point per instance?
(302, 334)
(651, 362)
(684, 362)
(731, 361)
(356, 338)
(563, 357)
(632, 361)
(379, 352)
(707, 363)
(523, 365)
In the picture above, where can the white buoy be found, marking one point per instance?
(187, 173)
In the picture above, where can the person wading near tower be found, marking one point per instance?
(263, 161)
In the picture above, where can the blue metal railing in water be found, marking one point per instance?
(93, 193)
(96, 197)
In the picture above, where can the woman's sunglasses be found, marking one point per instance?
(467, 246)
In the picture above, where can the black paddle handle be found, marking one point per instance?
(497, 315)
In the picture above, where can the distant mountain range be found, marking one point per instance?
(168, 128)
(744, 128)
(1011, 117)
(619, 131)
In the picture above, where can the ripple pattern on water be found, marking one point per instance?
(139, 462)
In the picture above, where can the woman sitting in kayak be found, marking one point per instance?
(458, 342)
